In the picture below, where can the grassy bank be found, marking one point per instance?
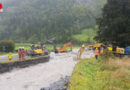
(90, 74)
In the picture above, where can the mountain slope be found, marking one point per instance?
(39, 20)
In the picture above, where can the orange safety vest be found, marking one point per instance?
(101, 52)
(96, 52)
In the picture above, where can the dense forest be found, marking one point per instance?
(39, 20)
(114, 23)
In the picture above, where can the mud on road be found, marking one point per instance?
(41, 76)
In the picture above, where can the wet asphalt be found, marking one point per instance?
(5, 57)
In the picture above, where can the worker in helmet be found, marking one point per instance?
(96, 52)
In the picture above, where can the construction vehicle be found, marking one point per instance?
(37, 50)
(52, 42)
(127, 51)
(64, 49)
(88, 47)
(120, 51)
(116, 50)
(60, 50)
(40, 48)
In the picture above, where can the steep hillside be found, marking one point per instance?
(39, 20)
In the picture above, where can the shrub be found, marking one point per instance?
(7, 46)
(107, 55)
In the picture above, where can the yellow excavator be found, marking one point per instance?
(114, 49)
(40, 49)
(36, 50)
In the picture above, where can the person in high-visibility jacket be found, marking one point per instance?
(10, 56)
(23, 53)
(20, 53)
(101, 52)
(96, 52)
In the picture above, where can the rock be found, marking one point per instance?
(61, 84)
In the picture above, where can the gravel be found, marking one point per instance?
(51, 75)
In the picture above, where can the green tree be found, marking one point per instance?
(114, 25)
(7, 46)
(33, 39)
(26, 19)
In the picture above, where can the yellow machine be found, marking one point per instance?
(89, 47)
(117, 50)
(37, 49)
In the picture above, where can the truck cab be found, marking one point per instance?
(127, 50)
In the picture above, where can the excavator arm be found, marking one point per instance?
(63, 49)
(52, 42)
(89, 47)
(117, 50)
